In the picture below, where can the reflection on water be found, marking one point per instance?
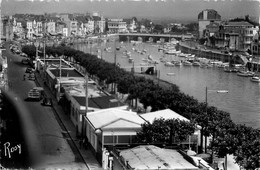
(242, 101)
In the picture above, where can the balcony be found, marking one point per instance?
(247, 42)
(248, 35)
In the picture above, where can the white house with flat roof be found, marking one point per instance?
(109, 127)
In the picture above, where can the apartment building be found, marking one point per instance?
(51, 26)
(117, 26)
(238, 35)
(30, 29)
(73, 27)
(99, 24)
(90, 25)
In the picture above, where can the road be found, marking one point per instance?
(49, 144)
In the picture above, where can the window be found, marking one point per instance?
(110, 140)
(124, 139)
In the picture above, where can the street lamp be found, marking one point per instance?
(213, 91)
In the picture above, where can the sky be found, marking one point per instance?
(178, 9)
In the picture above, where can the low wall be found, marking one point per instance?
(214, 55)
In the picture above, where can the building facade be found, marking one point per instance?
(117, 26)
(51, 27)
(30, 30)
(239, 35)
(255, 45)
(73, 27)
(205, 18)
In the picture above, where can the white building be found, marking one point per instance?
(39, 27)
(65, 32)
(90, 25)
(18, 28)
(51, 27)
(110, 127)
(117, 26)
(73, 27)
(30, 29)
(99, 24)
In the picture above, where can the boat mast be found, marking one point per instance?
(115, 50)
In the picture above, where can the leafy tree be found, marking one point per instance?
(124, 83)
(30, 51)
(146, 22)
(163, 131)
(212, 40)
(158, 28)
(241, 141)
(202, 40)
(192, 27)
(156, 132)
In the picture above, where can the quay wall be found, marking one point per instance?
(216, 55)
(213, 55)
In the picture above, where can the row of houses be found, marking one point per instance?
(109, 126)
(24, 26)
(235, 34)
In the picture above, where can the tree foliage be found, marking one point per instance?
(163, 131)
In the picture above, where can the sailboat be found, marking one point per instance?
(255, 79)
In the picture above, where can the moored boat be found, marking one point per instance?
(172, 52)
(203, 65)
(186, 63)
(196, 63)
(177, 63)
(170, 74)
(182, 55)
(255, 79)
(169, 64)
(251, 73)
(243, 73)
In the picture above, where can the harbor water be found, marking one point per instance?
(242, 100)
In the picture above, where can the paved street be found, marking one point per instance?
(51, 145)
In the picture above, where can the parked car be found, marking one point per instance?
(47, 101)
(29, 70)
(31, 76)
(34, 94)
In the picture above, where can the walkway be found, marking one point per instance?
(87, 155)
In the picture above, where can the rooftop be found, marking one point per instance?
(101, 102)
(65, 72)
(242, 23)
(115, 119)
(151, 157)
